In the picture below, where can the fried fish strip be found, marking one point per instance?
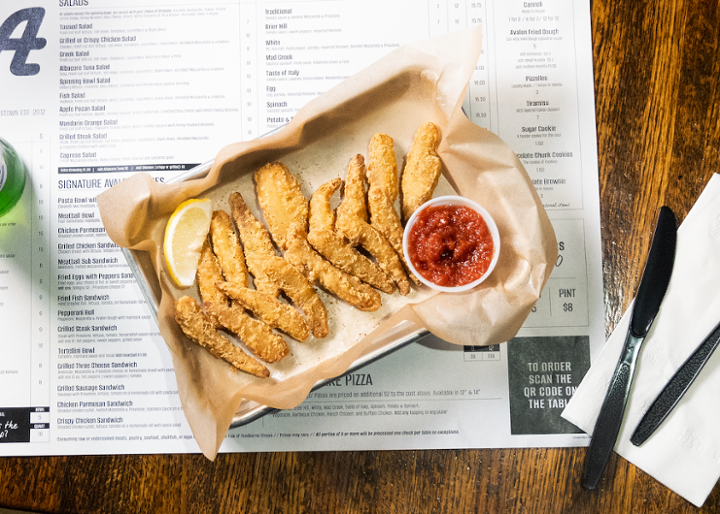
(268, 345)
(382, 171)
(383, 191)
(231, 259)
(332, 246)
(281, 199)
(200, 329)
(317, 269)
(208, 272)
(226, 246)
(350, 223)
(257, 243)
(422, 171)
(268, 308)
(276, 271)
(299, 290)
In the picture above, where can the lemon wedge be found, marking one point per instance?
(185, 234)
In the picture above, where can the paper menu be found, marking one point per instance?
(162, 88)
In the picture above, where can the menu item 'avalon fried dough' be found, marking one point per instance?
(200, 329)
(323, 237)
(269, 309)
(281, 199)
(317, 269)
(351, 223)
(422, 170)
(275, 272)
(266, 344)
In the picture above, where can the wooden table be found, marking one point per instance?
(657, 79)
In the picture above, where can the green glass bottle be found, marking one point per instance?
(12, 177)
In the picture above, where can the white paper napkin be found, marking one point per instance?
(684, 453)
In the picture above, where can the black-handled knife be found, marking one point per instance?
(675, 388)
(653, 285)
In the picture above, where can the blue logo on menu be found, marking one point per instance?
(29, 40)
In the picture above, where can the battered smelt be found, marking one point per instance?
(277, 189)
(266, 344)
(383, 191)
(269, 309)
(208, 272)
(281, 200)
(382, 175)
(332, 246)
(316, 269)
(257, 243)
(226, 246)
(275, 272)
(198, 327)
(422, 170)
(382, 171)
(351, 223)
(231, 259)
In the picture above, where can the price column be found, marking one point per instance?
(249, 94)
(437, 17)
(477, 103)
(41, 254)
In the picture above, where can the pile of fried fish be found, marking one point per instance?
(319, 247)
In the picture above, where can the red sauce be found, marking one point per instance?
(450, 245)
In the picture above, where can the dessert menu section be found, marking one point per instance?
(94, 90)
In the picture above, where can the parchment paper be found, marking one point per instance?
(424, 81)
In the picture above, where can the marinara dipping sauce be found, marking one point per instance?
(450, 245)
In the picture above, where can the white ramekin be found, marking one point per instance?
(459, 201)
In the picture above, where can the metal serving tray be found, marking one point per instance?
(141, 266)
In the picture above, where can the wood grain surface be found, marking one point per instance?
(657, 79)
